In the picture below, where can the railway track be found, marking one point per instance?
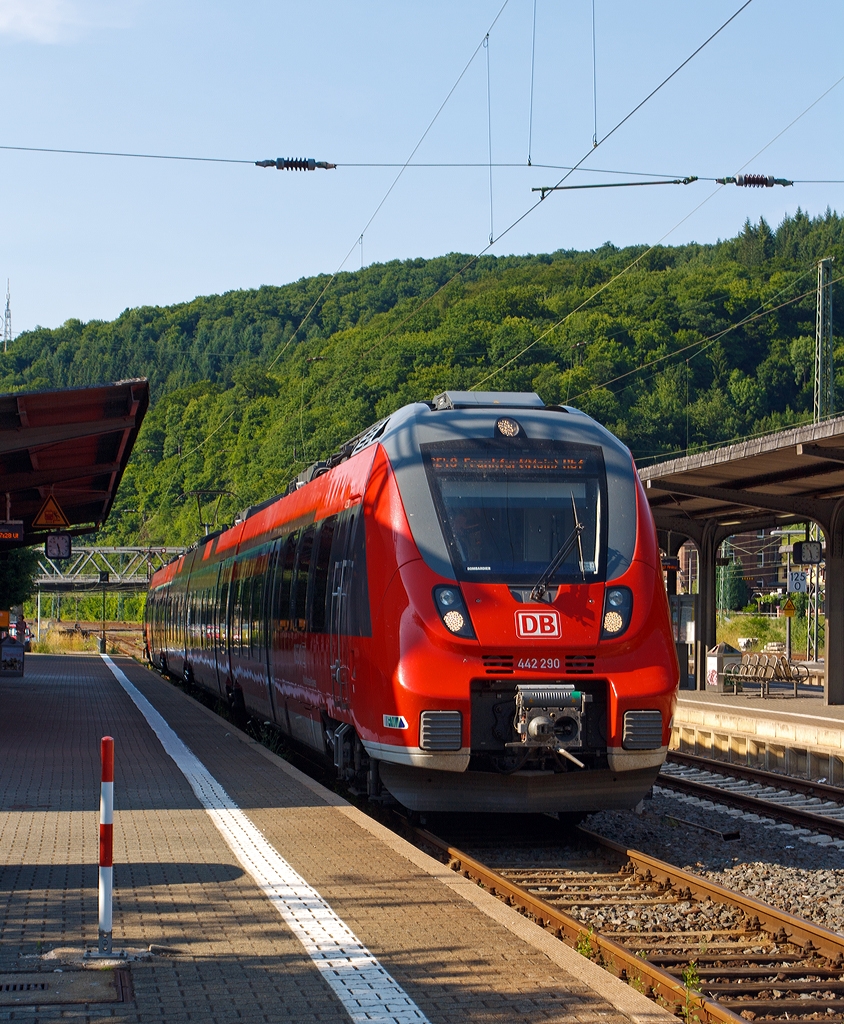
(805, 804)
(702, 951)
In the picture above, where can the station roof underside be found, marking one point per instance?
(71, 443)
(793, 474)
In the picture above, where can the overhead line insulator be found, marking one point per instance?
(754, 181)
(296, 164)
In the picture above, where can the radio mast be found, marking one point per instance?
(7, 320)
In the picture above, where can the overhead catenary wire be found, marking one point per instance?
(358, 241)
(594, 81)
(575, 168)
(613, 184)
(304, 164)
(461, 270)
(703, 343)
(407, 164)
(570, 171)
(532, 66)
(395, 181)
(489, 134)
(650, 248)
(128, 155)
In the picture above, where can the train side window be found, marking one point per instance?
(299, 598)
(320, 577)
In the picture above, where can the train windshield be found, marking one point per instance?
(507, 511)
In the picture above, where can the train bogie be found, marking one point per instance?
(464, 605)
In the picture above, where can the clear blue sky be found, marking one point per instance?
(359, 82)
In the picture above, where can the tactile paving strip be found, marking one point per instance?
(366, 990)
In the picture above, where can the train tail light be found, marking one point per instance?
(618, 607)
(453, 612)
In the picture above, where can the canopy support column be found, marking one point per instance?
(834, 625)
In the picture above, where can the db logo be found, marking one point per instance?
(538, 625)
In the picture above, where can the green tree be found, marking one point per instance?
(672, 356)
(731, 589)
(18, 569)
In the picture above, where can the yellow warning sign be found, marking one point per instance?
(788, 608)
(51, 515)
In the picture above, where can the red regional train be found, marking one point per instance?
(464, 605)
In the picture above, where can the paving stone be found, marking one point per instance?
(178, 884)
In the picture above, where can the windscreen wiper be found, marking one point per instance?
(541, 588)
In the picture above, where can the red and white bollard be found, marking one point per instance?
(106, 845)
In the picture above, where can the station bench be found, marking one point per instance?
(765, 669)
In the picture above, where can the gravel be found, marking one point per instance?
(796, 870)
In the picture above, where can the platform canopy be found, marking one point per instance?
(794, 475)
(71, 445)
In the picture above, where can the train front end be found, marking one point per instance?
(526, 661)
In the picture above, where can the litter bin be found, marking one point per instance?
(11, 656)
(101, 644)
(718, 658)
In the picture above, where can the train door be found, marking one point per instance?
(338, 636)
(347, 569)
(220, 625)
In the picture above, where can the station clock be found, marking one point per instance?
(807, 552)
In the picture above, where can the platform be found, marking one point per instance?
(336, 918)
(798, 735)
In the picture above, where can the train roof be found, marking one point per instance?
(450, 416)
(488, 402)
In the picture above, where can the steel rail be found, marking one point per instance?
(658, 983)
(756, 805)
(741, 771)
(787, 927)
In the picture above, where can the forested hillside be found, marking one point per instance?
(243, 398)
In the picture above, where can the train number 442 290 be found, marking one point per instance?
(539, 663)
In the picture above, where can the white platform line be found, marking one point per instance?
(368, 993)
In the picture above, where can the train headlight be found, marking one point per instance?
(454, 621)
(613, 622)
(507, 427)
(452, 609)
(618, 607)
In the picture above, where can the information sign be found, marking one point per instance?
(11, 530)
(798, 582)
(51, 514)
